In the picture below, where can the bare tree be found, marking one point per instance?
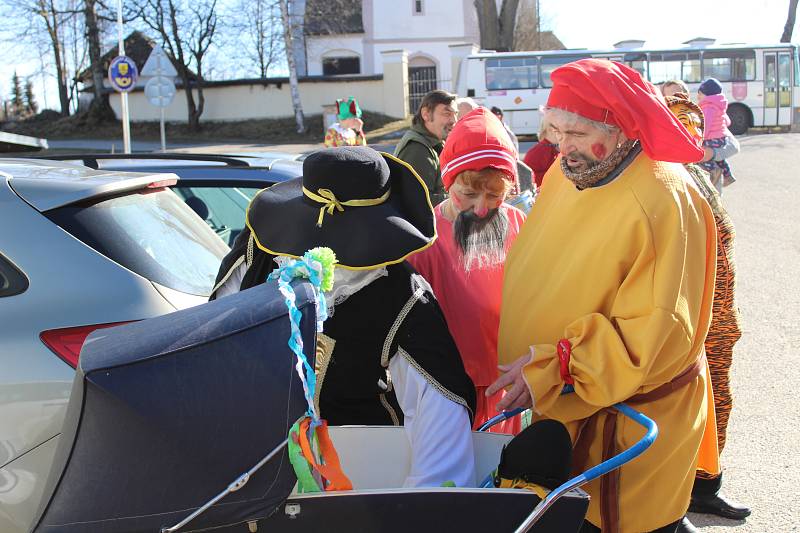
(293, 85)
(497, 30)
(790, 20)
(187, 29)
(255, 29)
(92, 25)
(75, 50)
(530, 32)
(41, 23)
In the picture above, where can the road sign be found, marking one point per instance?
(122, 73)
(160, 91)
(158, 64)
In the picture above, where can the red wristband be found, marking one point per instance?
(564, 349)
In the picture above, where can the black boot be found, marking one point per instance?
(706, 499)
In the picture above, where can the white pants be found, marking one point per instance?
(438, 430)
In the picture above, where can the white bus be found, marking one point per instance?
(761, 82)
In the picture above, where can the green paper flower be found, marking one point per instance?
(327, 258)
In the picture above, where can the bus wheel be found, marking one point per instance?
(741, 119)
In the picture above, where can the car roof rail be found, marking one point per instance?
(90, 160)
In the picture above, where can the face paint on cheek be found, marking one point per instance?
(599, 151)
(456, 199)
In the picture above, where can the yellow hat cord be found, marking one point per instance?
(331, 203)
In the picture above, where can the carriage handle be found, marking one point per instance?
(601, 469)
(594, 472)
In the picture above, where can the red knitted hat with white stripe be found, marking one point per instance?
(477, 141)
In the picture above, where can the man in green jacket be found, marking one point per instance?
(421, 145)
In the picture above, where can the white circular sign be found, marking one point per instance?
(160, 91)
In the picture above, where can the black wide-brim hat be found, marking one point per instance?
(369, 207)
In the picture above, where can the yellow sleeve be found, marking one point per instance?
(610, 362)
(656, 326)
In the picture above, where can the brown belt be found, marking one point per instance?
(609, 483)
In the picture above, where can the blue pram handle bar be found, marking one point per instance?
(505, 415)
(594, 472)
(603, 468)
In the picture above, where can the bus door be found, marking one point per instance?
(512, 84)
(777, 88)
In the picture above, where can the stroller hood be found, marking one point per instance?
(165, 413)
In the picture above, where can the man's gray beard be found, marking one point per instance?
(481, 241)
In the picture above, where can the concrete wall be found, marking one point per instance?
(252, 101)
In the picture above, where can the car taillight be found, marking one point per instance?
(67, 342)
(162, 184)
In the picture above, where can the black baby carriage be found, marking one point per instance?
(168, 413)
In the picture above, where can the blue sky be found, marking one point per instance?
(581, 24)
(593, 24)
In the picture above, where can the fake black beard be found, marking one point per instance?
(481, 241)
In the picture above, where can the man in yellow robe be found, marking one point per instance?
(609, 288)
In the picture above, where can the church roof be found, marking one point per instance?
(333, 17)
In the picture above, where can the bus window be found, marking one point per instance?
(730, 65)
(665, 67)
(512, 73)
(784, 79)
(637, 62)
(550, 63)
(691, 71)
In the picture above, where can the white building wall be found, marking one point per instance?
(395, 19)
(392, 25)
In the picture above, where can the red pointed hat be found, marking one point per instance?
(612, 93)
(477, 141)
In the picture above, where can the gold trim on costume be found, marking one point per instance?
(388, 407)
(324, 351)
(228, 274)
(387, 343)
(341, 265)
(250, 242)
(330, 202)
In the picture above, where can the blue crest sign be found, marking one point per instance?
(122, 73)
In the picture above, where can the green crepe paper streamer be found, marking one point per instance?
(305, 480)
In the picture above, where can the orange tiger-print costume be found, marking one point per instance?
(725, 328)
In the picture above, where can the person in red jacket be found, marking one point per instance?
(541, 155)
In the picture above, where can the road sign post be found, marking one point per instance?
(122, 73)
(126, 125)
(160, 90)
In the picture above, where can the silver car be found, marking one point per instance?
(80, 249)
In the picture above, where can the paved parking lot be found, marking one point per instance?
(761, 456)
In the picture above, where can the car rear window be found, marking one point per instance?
(151, 232)
(223, 208)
